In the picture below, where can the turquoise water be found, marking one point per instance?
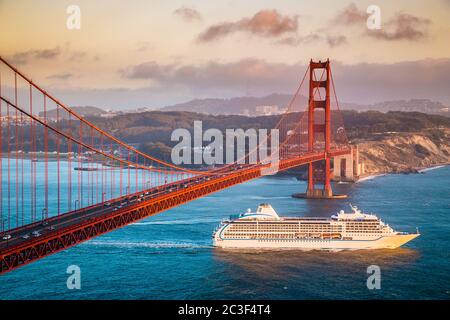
(169, 256)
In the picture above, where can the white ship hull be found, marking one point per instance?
(264, 229)
(385, 242)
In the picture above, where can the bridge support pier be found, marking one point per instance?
(319, 193)
(311, 191)
(348, 167)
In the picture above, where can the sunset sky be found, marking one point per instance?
(139, 53)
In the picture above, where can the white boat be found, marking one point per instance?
(343, 231)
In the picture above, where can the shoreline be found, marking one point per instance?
(420, 170)
(371, 177)
(433, 168)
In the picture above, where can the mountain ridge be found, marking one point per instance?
(249, 105)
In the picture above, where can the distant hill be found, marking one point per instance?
(238, 105)
(151, 131)
(254, 106)
(82, 111)
(413, 105)
(157, 126)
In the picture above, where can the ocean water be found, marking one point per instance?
(169, 256)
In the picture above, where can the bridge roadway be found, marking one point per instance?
(39, 239)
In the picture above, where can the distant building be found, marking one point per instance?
(111, 113)
(267, 110)
(16, 120)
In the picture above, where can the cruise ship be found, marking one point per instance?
(343, 231)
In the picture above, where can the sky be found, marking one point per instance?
(148, 53)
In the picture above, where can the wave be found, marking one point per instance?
(431, 168)
(154, 245)
(371, 177)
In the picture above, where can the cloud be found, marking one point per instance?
(188, 14)
(208, 74)
(403, 26)
(336, 40)
(148, 70)
(64, 52)
(297, 39)
(25, 56)
(77, 56)
(361, 83)
(272, 24)
(60, 76)
(367, 83)
(265, 23)
(331, 40)
(350, 15)
(215, 78)
(217, 31)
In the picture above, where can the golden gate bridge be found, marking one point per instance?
(64, 180)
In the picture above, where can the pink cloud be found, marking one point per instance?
(188, 14)
(265, 23)
(403, 26)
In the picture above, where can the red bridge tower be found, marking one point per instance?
(315, 128)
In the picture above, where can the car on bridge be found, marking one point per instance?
(36, 234)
